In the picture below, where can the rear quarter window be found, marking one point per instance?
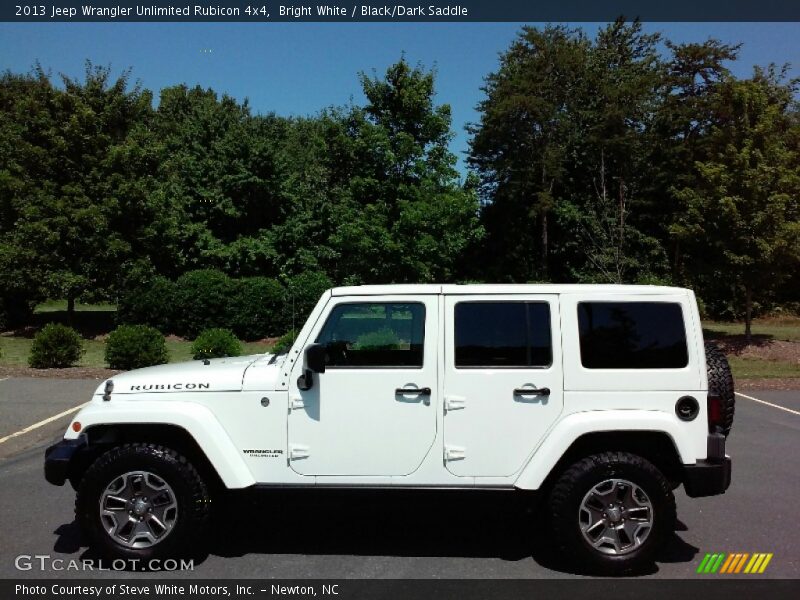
(632, 335)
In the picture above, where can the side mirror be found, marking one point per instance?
(315, 358)
(315, 363)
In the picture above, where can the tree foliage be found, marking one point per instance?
(101, 190)
(62, 186)
(742, 220)
(608, 159)
(618, 157)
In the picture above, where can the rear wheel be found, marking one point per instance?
(611, 512)
(142, 501)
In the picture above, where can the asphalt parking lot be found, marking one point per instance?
(387, 535)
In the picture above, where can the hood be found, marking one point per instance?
(219, 375)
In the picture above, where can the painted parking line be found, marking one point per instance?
(29, 428)
(778, 406)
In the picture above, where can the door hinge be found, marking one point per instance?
(297, 451)
(455, 453)
(295, 403)
(454, 402)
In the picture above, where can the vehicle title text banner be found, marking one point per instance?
(261, 11)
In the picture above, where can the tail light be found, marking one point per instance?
(714, 412)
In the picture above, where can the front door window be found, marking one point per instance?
(374, 334)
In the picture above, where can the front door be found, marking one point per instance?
(503, 385)
(373, 411)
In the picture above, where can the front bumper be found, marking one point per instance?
(712, 476)
(59, 457)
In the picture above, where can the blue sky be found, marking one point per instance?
(299, 68)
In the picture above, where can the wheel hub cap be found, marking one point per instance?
(614, 514)
(138, 509)
(615, 517)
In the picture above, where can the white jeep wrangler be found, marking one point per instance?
(603, 398)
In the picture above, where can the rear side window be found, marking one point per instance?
(374, 334)
(502, 334)
(632, 335)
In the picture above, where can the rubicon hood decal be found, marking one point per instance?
(162, 387)
(215, 375)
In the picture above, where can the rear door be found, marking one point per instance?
(503, 382)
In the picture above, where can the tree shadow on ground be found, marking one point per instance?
(507, 526)
(89, 323)
(736, 343)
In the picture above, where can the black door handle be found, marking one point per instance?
(532, 391)
(420, 391)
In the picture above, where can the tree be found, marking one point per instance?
(567, 125)
(218, 184)
(67, 205)
(26, 126)
(743, 218)
(614, 110)
(612, 247)
(680, 138)
(520, 148)
(401, 214)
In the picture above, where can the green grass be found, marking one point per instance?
(61, 305)
(787, 329)
(759, 368)
(774, 328)
(15, 351)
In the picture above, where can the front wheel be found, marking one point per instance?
(611, 512)
(142, 501)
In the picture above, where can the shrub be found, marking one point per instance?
(55, 346)
(256, 308)
(303, 293)
(284, 342)
(203, 301)
(215, 343)
(150, 304)
(135, 346)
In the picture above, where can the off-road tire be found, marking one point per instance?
(190, 492)
(720, 382)
(576, 481)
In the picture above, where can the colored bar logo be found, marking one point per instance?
(735, 562)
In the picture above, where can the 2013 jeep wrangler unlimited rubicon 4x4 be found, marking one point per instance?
(603, 398)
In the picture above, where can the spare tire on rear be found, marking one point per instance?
(720, 382)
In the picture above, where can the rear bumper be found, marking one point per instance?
(58, 458)
(707, 478)
(712, 476)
